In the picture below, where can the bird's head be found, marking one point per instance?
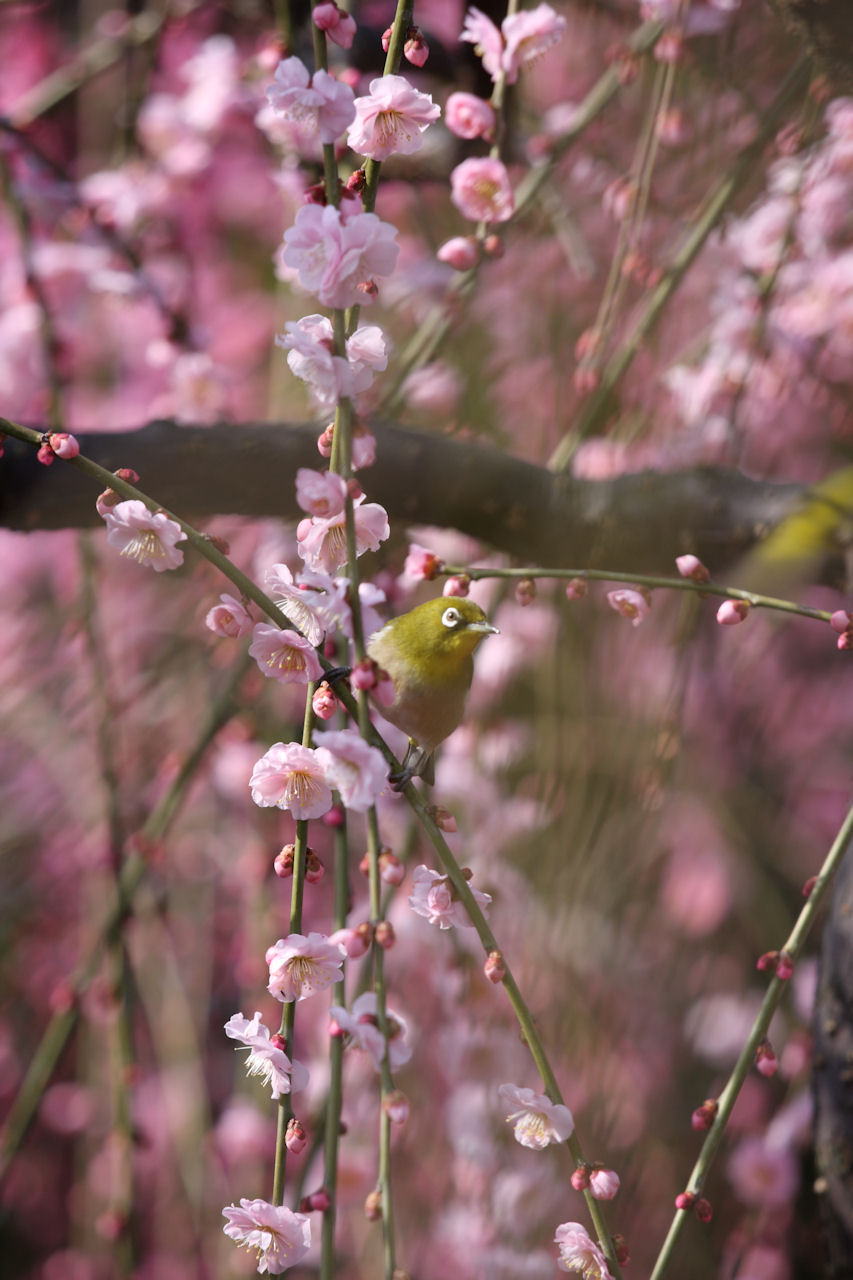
(442, 632)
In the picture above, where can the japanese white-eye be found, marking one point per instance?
(428, 653)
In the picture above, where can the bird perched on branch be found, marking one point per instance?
(429, 655)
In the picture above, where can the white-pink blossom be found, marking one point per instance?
(335, 255)
(322, 544)
(284, 655)
(313, 604)
(391, 118)
(537, 1120)
(487, 40)
(459, 252)
(317, 105)
(301, 966)
(320, 493)
(289, 776)
(633, 605)
(229, 618)
(468, 116)
(603, 1183)
(266, 1058)
(278, 1236)
(579, 1253)
(480, 189)
(433, 897)
(361, 1023)
(352, 767)
(310, 346)
(527, 34)
(148, 537)
(338, 25)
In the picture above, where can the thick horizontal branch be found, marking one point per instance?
(637, 521)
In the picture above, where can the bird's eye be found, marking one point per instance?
(450, 617)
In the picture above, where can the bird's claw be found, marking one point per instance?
(400, 779)
(336, 673)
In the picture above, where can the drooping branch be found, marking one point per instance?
(636, 521)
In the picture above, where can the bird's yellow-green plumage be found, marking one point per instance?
(428, 653)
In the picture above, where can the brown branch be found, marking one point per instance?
(639, 522)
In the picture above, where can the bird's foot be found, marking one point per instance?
(400, 779)
(336, 673)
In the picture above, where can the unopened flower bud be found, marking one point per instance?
(416, 49)
(580, 1177)
(620, 1248)
(64, 445)
(576, 589)
(365, 675)
(422, 563)
(494, 968)
(685, 1200)
(324, 440)
(809, 885)
(354, 944)
(765, 1059)
(391, 869)
(128, 475)
(384, 935)
(731, 612)
(365, 932)
(841, 620)
(219, 544)
(767, 961)
(324, 702)
(458, 585)
(335, 817)
(396, 1107)
(703, 1117)
(364, 865)
(525, 592)
(442, 818)
(704, 1212)
(45, 455)
(314, 869)
(318, 1201)
(373, 1206)
(295, 1139)
(336, 1031)
(603, 1183)
(785, 967)
(460, 252)
(283, 865)
(355, 182)
(386, 38)
(692, 567)
(279, 1041)
(493, 246)
(369, 288)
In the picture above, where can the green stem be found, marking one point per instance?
(334, 1098)
(726, 1101)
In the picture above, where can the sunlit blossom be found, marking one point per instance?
(352, 767)
(148, 537)
(434, 898)
(278, 1236)
(322, 544)
(361, 1024)
(320, 493)
(481, 190)
(391, 118)
(317, 105)
(301, 966)
(313, 602)
(284, 655)
(266, 1058)
(289, 776)
(229, 618)
(536, 1120)
(334, 255)
(579, 1253)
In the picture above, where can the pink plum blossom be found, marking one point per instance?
(468, 116)
(361, 1024)
(422, 563)
(301, 966)
(732, 612)
(148, 537)
(579, 1253)
(338, 25)
(538, 1121)
(318, 105)
(310, 346)
(322, 544)
(289, 776)
(692, 567)
(278, 1236)
(229, 618)
(352, 767)
(460, 252)
(312, 604)
(334, 255)
(481, 190)
(603, 1183)
(527, 35)
(433, 898)
(633, 605)
(391, 119)
(320, 493)
(266, 1058)
(763, 1175)
(284, 655)
(64, 445)
(481, 32)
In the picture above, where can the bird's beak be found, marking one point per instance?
(486, 628)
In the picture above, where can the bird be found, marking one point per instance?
(429, 655)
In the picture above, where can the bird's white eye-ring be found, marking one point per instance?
(450, 617)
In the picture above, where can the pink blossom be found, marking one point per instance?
(352, 767)
(460, 252)
(433, 898)
(692, 567)
(324, 702)
(468, 116)
(434, 388)
(576, 589)
(301, 966)
(603, 1183)
(323, 544)
(229, 618)
(355, 942)
(310, 346)
(289, 776)
(284, 655)
(762, 1175)
(841, 621)
(334, 255)
(416, 49)
(198, 389)
(278, 1236)
(361, 1024)
(579, 1253)
(481, 32)
(527, 35)
(148, 537)
(481, 191)
(631, 604)
(538, 1121)
(367, 352)
(266, 1058)
(318, 105)
(421, 562)
(338, 25)
(312, 605)
(391, 119)
(320, 493)
(64, 445)
(731, 612)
